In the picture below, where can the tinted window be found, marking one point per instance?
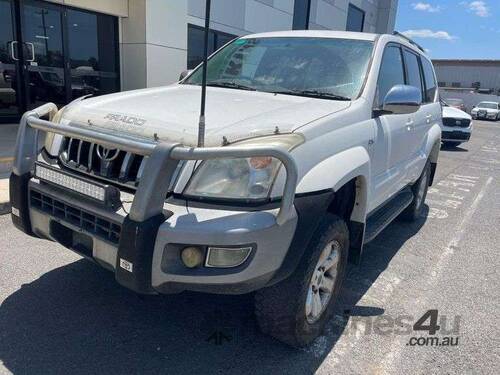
(196, 42)
(323, 65)
(391, 73)
(413, 70)
(430, 81)
(355, 19)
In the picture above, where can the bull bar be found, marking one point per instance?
(146, 213)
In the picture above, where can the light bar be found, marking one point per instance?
(71, 183)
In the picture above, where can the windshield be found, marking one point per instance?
(488, 105)
(454, 101)
(317, 67)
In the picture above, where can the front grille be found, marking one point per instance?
(121, 167)
(89, 222)
(456, 122)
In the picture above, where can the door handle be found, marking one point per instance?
(428, 119)
(12, 51)
(32, 47)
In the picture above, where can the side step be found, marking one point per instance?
(381, 218)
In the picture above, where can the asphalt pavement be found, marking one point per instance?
(62, 314)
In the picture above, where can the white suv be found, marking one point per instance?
(315, 142)
(457, 125)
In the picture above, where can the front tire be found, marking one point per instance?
(296, 309)
(419, 189)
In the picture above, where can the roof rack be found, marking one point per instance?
(401, 35)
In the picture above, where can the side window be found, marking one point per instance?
(391, 72)
(413, 71)
(430, 81)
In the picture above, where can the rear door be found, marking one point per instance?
(415, 141)
(432, 113)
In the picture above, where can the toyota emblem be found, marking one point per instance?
(107, 154)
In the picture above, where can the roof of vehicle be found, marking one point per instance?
(314, 34)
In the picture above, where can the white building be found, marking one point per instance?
(75, 47)
(466, 74)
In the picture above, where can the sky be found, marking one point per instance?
(452, 29)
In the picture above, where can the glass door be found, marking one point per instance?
(10, 96)
(43, 52)
(54, 53)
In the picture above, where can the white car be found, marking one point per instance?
(457, 126)
(315, 141)
(486, 111)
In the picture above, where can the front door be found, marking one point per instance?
(390, 154)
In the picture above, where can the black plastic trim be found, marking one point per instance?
(310, 208)
(19, 199)
(137, 241)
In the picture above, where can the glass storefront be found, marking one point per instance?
(54, 53)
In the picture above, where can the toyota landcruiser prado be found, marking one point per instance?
(315, 141)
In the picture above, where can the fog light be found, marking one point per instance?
(192, 256)
(227, 256)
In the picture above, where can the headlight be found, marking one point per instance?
(241, 178)
(51, 146)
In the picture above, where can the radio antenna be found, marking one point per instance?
(201, 124)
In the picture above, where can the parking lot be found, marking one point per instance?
(62, 314)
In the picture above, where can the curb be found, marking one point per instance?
(4, 196)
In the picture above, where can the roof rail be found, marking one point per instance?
(401, 35)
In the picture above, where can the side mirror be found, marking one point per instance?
(402, 99)
(184, 74)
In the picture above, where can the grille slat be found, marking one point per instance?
(100, 227)
(125, 169)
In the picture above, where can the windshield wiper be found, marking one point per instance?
(231, 85)
(314, 94)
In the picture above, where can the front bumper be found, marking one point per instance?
(186, 226)
(142, 242)
(489, 116)
(455, 135)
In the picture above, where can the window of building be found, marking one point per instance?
(92, 53)
(391, 72)
(456, 84)
(413, 77)
(355, 19)
(430, 81)
(196, 35)
(442, 84)
(301, 11)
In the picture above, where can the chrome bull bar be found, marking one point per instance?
(163, 159)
